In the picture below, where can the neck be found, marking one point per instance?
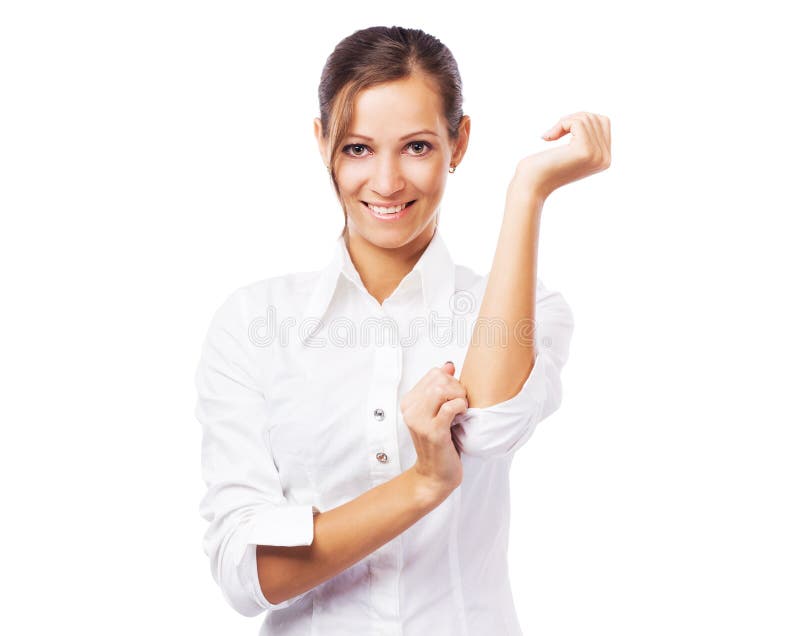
(381, 269)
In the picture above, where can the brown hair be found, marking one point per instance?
(381, 54)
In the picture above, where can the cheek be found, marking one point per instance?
(351, 175)
(428, 178)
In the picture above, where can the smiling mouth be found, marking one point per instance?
(388, 211)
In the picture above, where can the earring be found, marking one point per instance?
(452, 169)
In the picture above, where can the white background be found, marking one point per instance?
(155, 156)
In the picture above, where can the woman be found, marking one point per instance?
(355, 485)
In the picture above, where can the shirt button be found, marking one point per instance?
(382, 458)
(378, 414)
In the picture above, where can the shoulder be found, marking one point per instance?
(257, 305)
(244, 324)
(285, 292)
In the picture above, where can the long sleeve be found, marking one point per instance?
(503, 428)
(244, 503)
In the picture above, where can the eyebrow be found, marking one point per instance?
(419, 132)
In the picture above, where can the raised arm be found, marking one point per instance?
(496, 371)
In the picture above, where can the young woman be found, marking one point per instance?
(355, 484)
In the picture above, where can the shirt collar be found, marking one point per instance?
(435, 268)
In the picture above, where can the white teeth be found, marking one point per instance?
(393, 210)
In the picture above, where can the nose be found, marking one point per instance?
(388, 177)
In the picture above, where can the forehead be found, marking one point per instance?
(397, 107)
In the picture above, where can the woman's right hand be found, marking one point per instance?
(428, 410)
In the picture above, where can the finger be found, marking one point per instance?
(452, 385)
(560, 128)
(575, 124)
(554, 132)
(450, 409)
(603, 152)
(431, 398)
(450, 389)
(606, 124)
(448, 368)
(593, 137)
(454, 388)
(586, 128)
(594, 120)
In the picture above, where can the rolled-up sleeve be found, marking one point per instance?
(244, 502)
(502, 428)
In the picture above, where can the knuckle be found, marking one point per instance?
(433, 391)
(458, 390)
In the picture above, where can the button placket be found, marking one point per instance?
(382, 397)
(385, 563)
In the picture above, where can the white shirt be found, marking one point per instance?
(299, 385)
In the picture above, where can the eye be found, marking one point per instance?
(346, 148)
(424, 144)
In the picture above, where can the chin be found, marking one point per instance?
(387, 239)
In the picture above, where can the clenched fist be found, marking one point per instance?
(428, 410)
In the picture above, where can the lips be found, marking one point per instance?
(388, 205)
(390, 216)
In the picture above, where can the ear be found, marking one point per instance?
(461, 143)
(321, 141)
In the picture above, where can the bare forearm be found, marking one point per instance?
(345, 535)
(493, 370)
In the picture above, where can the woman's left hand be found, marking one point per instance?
(588, 151)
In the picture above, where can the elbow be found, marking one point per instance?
(260, 583)
(477, 435)
(269, 583)
(271, 593)
(242, 602)
(256, 572)
(236, 570)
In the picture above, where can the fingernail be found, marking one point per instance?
(546, 134)
(451, 362)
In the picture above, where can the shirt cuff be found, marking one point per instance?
(282, 525)
(497, 430)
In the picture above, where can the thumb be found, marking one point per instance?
(449, 367)
(556, 132)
